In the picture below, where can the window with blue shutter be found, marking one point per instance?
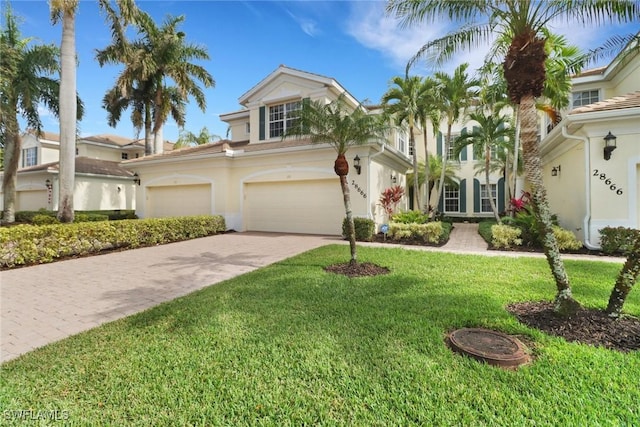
(262, 123)
(476, 195)
(463, 196)
(501, 201)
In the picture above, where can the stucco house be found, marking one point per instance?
(261, 182)
(592, 158)
(100, 182)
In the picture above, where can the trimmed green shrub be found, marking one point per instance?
(434, 232)
(89, 217)
(618, 240)
(505, 236)
(410, 217)
(28, 244)
(484, 229)
(566, 239)
(364, 228)
(44, 219)
(526, 221)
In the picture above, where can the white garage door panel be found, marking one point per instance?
(179, 200)
(31, 200)
(313, 207)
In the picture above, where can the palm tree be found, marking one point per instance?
(429, 174)
(402, 102)
(160, 54)
(485, 139)
(341, 126)
(25, 85)
(428, 112)
(456, 94)
(190, 139)
(65, 10)
(524, 71)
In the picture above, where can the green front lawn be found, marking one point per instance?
(292, 345)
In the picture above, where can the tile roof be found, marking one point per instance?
(222, 146)
(85, 165)
(110, 140)
(629, 100)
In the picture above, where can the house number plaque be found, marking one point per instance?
(358, 189)
(607, 181)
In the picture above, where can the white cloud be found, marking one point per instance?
(371, 27)
(308, 26)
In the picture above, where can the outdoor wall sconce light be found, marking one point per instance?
(356, 164)
(555, 171)
(48, 184)
(393, 179)
(609, 145)
(136, 178)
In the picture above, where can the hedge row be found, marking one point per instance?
(28, 244)
(37, 217)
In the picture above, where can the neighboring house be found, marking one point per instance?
(100, 182)
(590, 186)
(260, 182)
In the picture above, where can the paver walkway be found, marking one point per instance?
(45, 303)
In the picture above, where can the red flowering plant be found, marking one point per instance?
(390, 198)
(520, 204)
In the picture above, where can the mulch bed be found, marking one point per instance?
(587, 326)
(358, 269)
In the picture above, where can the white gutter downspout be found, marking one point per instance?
(586, 222)
(369, 176)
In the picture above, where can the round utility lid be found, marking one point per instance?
(489, 346)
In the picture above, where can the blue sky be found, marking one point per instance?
(350, 41)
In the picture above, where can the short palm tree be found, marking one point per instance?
(429, 175)
(524, 70)
(190, 139)
(485, 138)
(402, 102)
(341, 126)
(25, 85)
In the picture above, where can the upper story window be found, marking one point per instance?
(402, 142)
(585, 97)
(247, 128)
(29, 157)
(450, 153)
(124, 156)
(282, 117)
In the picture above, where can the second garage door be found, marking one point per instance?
(311, 207)
(179, 200)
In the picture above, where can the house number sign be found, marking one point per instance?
(607, 181)
(358, 189)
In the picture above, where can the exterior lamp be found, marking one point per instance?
(136, 178)
(609, 145)
(393, 179)
(48, 184)
(555, 171)
(356, 164)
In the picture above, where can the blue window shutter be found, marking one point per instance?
(501, 195)
(476, 195)
(441, 202)
(262, 123)
(439, 144)
(463, 196)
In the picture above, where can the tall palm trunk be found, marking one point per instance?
(625, 281)
(148, 133)
(445, 155)
(426, 169)
(487, 165)
(565, 304)
(11, 163)
(68, 116)
(516, 150)
(416, 184)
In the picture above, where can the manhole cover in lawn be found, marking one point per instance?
(489, 346)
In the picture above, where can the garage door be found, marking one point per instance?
(31, 200)
(311, 207)
(179, 200)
